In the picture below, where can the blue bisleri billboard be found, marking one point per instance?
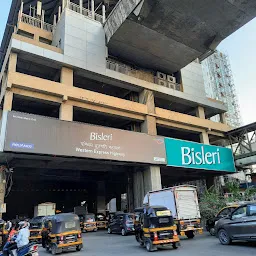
(194, 155)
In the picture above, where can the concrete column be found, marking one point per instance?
(152, 179)
(151, 175)
(66, 109)
(101, 197)
(223, 118)
(204, 138)
(2, 186)
(8, 98)
(149, 125)
(67, 76)
(12, 62)
(66, 112)
(138, 188)
(200, 112)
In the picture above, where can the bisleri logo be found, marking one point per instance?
(159, 141)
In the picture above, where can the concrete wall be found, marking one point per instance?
(192, 80)
(82, 40)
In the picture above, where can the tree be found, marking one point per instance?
(211, 202)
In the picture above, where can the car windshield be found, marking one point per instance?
(239, 213)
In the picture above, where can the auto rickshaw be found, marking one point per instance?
(64, 233)
(155, 228)
(3, 231)
(89, 223)
(35, 228)
(101, 221)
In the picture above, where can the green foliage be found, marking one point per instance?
(212, 200)
(210, 203)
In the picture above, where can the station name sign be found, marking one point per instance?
(188, 154)
(27, 133)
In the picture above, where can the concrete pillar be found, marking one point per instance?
(12, 62)
(67, 76)
(66, 109)
(66, 112)
(152, 179)
(130, 201)
(149, 125)
(204, 138)
(222, 118)
(2, 186)
(200, 112)
(149, 178)
(101, 197)
(8, 98)
(138, 188)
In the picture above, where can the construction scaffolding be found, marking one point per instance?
(219, 85)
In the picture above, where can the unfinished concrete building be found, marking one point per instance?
(94, 93)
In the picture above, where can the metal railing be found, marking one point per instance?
(127, 70)
(76, 8)
(36, 22)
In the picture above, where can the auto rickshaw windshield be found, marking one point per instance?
(90, 218)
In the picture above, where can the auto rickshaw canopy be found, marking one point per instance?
(64, 222)
(155, 216)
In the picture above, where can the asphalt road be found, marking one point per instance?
(102, 244)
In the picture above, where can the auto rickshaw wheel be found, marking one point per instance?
(54, 249)
(149, 246)
(95, 230)
(190, 234)
(79, 247)
(174, 246)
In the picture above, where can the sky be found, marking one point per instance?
(241, 48)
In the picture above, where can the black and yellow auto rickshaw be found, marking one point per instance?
(155, 228)
(64, 233)
(89, 223)
(101, 221)
(3, 231)
(35, 228)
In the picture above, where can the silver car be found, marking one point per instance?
(240, 225)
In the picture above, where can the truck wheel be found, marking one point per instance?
(212, 231)
(190, 234)
(224, 237)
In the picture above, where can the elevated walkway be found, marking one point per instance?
(243, 144)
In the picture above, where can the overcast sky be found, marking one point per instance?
(241, 48)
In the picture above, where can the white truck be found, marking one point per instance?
(45, 209)
(183, 203)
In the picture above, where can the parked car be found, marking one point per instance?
(122, 223)
(224, 212)
(240, 225)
